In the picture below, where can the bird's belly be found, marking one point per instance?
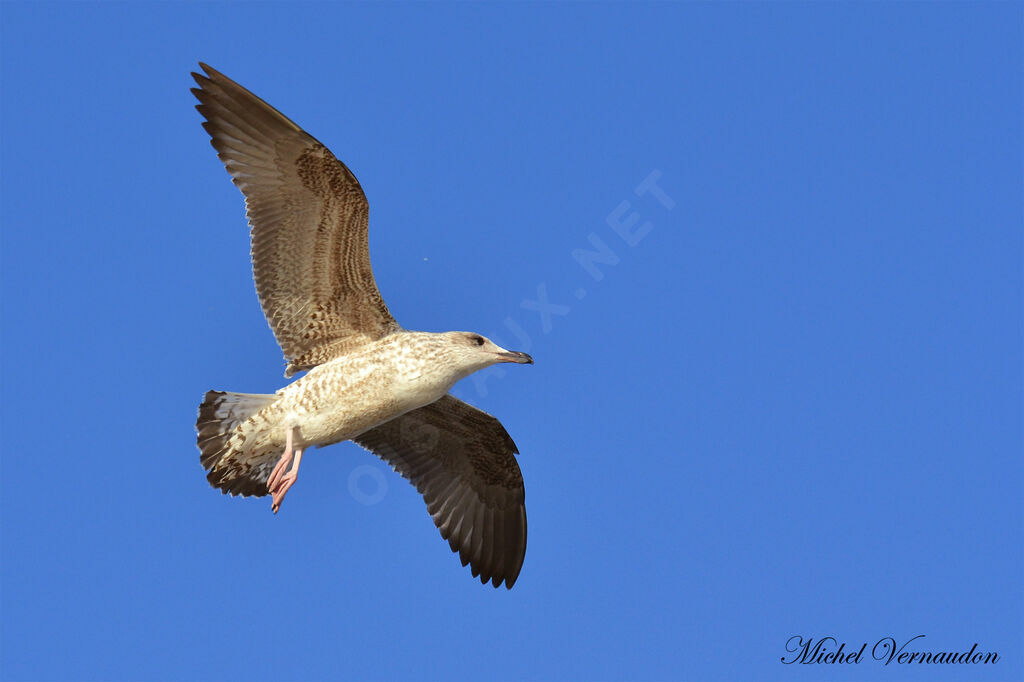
(357, 407)
(334, 426)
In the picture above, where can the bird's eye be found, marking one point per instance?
(478, 340)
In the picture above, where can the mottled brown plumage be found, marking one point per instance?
(309, 218)
(368, 379)
(463, 463)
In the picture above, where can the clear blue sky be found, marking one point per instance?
(792, 407)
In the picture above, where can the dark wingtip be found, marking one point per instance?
(200, 80)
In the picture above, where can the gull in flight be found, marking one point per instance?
(367, 379)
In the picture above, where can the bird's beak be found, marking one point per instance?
(515, 356)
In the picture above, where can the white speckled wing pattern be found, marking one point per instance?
(463, 462)
(308, 218)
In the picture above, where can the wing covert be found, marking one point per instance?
(308, 218)
(463, 462)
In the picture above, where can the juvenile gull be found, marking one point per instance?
(368, 379)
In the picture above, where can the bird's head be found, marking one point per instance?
(472, 352)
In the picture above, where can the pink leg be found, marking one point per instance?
(286, 482)
(280, 482)
(282, 464)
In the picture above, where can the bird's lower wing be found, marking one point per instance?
(463, 462)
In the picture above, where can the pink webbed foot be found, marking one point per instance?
(280, 482)
(285, 482)
(279, 469)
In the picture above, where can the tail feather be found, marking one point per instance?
(222, 443)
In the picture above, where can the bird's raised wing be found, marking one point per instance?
(308, 218)
(463, 462)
